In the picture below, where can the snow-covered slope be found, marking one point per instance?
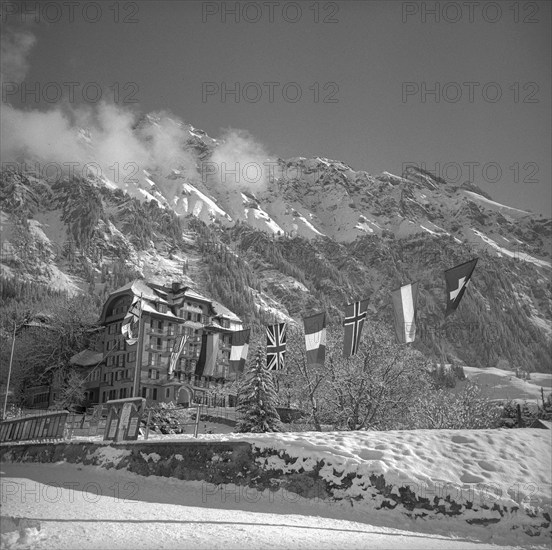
(114, 509)
(476, 469)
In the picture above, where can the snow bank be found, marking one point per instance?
(497, 478)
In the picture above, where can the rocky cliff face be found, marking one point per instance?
(274, 238)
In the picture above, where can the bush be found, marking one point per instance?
(469, 410)
(170, 419)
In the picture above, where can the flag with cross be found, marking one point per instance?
(355, 315)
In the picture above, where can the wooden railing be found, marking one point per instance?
(45, 426)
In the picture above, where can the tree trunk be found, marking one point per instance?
(314, 411)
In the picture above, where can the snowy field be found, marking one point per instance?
(502, 384)
(90, 507)
(506, 466)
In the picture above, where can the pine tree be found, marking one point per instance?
(257, 400)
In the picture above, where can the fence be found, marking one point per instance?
(48, 425)
(45, 426)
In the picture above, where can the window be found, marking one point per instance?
(189, 316)
(156, 343)
(103, 397)
(170, 329)
(154, 394)
(144, 392)
(153, 374)
(131, 356)
(154, 359)
(167, 393)
(109, 361)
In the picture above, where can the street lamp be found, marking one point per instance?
(9, 372)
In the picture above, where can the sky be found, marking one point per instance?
(459, 88)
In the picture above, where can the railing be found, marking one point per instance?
(153, 347)
(45, 426)
(66, 425)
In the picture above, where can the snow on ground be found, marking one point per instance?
(87, 507)
(543, 324)
(510, 467)
(150, 197)
(502, 384)
(439, 230)
(364, 227)
(213, 208)
(493, 203)
(264, 303)
(484, 466)
(259, 213)
(429, 230)
(363, 222)
(501, 250)
(310, 226)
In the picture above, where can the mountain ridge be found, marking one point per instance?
(310, 234)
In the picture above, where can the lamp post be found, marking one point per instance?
(9, 372)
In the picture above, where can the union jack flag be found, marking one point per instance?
(276, 346)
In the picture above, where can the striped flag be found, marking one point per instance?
(457, 279)
(206, 362)
(355, 315)
(131, 323)
(239, 350)
(315, 338)
(404, 304)
(276, 336)
(176, 352)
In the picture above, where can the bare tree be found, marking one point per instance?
(302, 381)
(377, 387)
(71, 390)
(57, 328)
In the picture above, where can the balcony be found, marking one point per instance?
(152, 347)
(156, 332)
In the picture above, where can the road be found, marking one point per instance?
(66, 506)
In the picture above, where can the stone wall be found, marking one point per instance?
(240, 463)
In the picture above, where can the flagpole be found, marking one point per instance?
(138, 365)
(9, 372)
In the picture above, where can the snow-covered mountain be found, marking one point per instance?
(273, 238)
